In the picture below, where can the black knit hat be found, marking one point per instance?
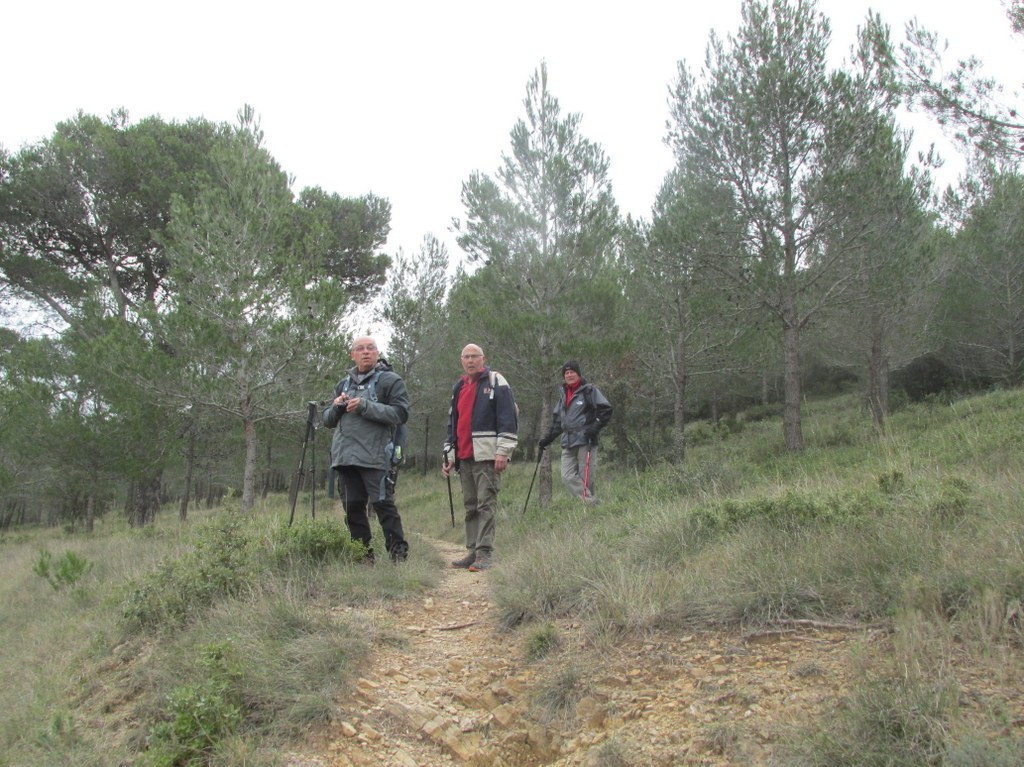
(572, 365)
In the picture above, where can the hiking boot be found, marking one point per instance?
(466, 561)
(400, 552)
(483, 562)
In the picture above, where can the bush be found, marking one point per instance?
(762, 412)
(66, 571)
(317, 540)
(953, 500)
(789, 511)
(201, 714)
(221, 565)
(541, 642)
(703, 432)
(897, 720)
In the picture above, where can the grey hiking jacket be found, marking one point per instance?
(362, 437)
(586, 414)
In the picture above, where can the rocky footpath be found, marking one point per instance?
(458, 691)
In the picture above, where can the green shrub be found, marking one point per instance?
(891, 482)
(541, 642)
(757, 413)
(318, 540)
(702, 432)
(66, 571)
(953, 499)
(200, 714)
(976, 750)
(556, 696)
(790, 511)
(220, 566)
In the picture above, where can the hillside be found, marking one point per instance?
(856, 604)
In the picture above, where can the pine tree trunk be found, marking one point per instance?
(249, 477)
(544, 489)
(878, 382)
(791, 428)
(90, 511)
(143, 501)
(190, 460)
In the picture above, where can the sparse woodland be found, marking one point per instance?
(813, 352)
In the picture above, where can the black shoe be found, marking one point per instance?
(465, 562)
(400, 552)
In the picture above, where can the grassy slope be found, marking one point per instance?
(919, 528)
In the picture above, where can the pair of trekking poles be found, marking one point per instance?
(536, 468)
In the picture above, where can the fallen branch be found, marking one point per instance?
(795, 623)
(456, 626)
(807, 623)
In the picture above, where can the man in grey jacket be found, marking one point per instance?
(579, 415)
(370, 402)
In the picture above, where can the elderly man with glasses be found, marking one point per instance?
(369, 403)
(482, 433)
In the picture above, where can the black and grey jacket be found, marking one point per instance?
(362, 437)
(582, 419)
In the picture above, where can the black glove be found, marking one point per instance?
(591, 433)
(543, 442)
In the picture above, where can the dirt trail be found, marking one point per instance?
(458, 691)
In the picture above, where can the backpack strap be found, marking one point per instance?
(371, 386)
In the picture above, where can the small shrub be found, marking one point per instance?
(891, 482)
(200, 714)
(61, 734)
(556, 697)
(67, 570)
(897, 720)
(542, 641)
(837, 435)
(703, 432)
(762, 412)
(975, 750)
(953, 500)
(318, 540)
(611, 753)
(789, 511)
(220, 566)
(786, 511)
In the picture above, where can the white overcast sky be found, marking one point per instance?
(406, 99)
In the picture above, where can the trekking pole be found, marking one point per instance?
(586, 473)
(309, 436)
(451, 503)
(540, 454)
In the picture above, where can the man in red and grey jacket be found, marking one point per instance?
(482, 434)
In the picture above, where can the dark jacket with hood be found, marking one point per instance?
(581, 419)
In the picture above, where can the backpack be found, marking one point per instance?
(494, 385)
(400, 435)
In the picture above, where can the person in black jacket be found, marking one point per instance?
(579, 415)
